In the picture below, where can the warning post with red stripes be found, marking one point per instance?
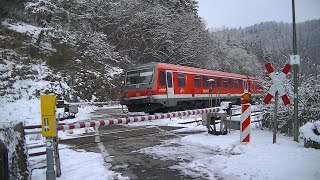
(245, 123)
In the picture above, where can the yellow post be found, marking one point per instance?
(48, 120)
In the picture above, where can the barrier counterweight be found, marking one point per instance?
(127, 120)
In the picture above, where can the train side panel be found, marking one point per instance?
(191, 88)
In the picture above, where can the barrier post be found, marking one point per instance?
(245, 123)
(48, 121)
(245, 119)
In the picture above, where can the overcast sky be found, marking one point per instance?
(236, 13)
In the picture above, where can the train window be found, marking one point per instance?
(235, 84)
(219, 82)
(162, 78)
(225, 83)
(211, 81)
(205, 81)
(254, 84)
(142, 76)
(169, 79)
(197, 80)
(181, 81)
(230, 83)
(240, 83)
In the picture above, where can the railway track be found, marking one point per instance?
(121, 143)
(109, 134)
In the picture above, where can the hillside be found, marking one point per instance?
(85, 45)
(276, 38)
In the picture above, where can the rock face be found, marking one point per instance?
(14, 157)
(4, 162)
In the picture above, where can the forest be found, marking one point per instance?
(87, 44)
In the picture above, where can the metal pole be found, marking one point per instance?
(275, 118)
(211, 94)
(50, 174)
(295, 76)
(230, 114)
(56, 150)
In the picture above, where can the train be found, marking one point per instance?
(162, 87)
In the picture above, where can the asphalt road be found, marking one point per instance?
(118, 144)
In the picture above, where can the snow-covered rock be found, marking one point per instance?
(311, 131)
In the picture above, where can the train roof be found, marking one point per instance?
(188, 69)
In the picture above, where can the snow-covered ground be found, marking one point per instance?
(210, 157)
(199, 155)
(80, 165)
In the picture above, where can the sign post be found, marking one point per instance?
(277, 88)
(275, 119)
(48, 121)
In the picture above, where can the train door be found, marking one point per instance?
(245, 86)
(170, 90)
(169, 83)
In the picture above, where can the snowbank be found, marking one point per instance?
(308, 131)
(204, 156)
(80, 165)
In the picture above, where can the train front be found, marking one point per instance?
(138, 90)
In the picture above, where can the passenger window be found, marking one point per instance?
(253, 85)
(240, 83)
(197, 80)
(205, 81)
(225, 83)
(162, 78)
(230, 83)
(235, 84)
(181, 81)
(219, 82)
(211, 83)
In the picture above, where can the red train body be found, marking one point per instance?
(159, 87)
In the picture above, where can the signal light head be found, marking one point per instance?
(245, 97)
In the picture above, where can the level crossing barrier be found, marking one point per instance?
(127, 120)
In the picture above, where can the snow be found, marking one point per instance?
(29, 29)
(210, 157)
(199, 155)
(80, 165)
(115, 71)
(308, 133)
(23, 28)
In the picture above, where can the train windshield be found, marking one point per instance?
(143, 76)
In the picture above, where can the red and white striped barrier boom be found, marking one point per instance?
(127, 120)
(245, 123)
(277, 85)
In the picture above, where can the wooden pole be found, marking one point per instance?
(275, 119)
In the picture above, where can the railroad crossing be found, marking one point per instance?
(118, 142)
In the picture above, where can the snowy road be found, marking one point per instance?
(122, 144)
(165, 149)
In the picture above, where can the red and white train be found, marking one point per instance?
(160, 87)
